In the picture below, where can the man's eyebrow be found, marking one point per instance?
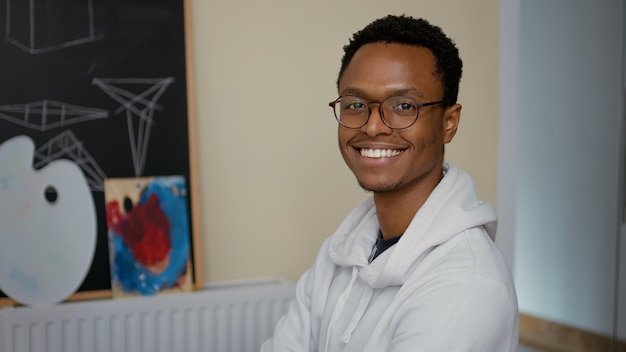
(353, 91)
(408, 91)
(393, 92)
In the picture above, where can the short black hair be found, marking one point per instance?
(418, 32)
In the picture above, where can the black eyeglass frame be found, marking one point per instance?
(368, 103)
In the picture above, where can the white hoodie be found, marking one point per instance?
(443, 287)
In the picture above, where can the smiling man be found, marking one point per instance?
(414, 267)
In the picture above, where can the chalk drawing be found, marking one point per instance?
(66, 145)
(138, 106)
(47, 114)
(41, 26)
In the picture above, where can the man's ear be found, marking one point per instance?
(451, 119)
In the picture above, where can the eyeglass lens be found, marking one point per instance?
(397, 111)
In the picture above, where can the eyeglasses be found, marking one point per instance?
(397, 112)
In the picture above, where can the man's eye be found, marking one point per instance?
(354, 105)
(405, 106)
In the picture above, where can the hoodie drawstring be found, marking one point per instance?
(358, 314)
(339, 307)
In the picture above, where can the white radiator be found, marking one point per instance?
(219, 319)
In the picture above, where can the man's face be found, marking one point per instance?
(410, 158)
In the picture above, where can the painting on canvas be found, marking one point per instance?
(149, 237)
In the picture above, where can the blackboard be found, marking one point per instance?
(75, 72)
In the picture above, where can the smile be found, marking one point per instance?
(379, 153)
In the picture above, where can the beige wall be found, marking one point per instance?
(272, 183)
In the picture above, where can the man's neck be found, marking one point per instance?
(396, 209)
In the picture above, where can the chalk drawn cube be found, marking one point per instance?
(38, 26)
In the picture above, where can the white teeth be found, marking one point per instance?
(379, 153)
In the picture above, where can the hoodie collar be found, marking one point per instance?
(451, 208)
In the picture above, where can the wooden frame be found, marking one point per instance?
(123, 63)
(550, 336)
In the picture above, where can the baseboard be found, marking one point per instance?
(554, 337)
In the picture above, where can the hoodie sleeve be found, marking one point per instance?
(458, 312)
(299, 329)
(293, 330)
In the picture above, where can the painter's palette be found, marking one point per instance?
(47, 226)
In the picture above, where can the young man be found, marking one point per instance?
(414, 267)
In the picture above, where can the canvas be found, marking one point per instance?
(149, 237)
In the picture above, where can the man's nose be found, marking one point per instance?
(375, 124)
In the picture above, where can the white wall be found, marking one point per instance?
(566, 104)
(273, 185)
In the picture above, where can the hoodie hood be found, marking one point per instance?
(451, 208)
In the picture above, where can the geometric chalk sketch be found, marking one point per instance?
(47, 114)
(38, 26)
(67, 145)
(138, 99)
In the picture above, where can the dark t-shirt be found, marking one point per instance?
(382, 245)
